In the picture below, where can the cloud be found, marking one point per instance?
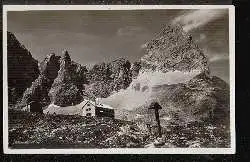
(202, 37)
(129, 31)
(218, 57)
(215, 56)
(198, 18)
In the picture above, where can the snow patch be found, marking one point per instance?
(132, 97)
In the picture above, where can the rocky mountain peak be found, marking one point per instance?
(65, 55)
(65, 60)
(49, 56)
(68, 85)
(61, 81)
(50, 65)
(173, 49)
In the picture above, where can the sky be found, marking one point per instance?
(96, 36)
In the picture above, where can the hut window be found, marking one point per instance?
(88, 114)
(88, 109)
(88, 104)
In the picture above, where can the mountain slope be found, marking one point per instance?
(22, 68)
(40, 87)
(200, 99)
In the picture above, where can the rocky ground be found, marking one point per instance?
(30, 130)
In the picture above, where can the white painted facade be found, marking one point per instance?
(88, 109)
(85, 108)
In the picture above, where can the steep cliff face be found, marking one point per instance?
(50, 66)
(67, 88)
(173, 49)
(40, 87)
(22, 68)
(61, 81)
(106, 78)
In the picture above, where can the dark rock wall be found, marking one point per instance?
(22, 68)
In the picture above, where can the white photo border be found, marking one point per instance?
(231, 150)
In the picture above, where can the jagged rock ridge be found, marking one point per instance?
(61, 82)
(105, 78)
(65, 82)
